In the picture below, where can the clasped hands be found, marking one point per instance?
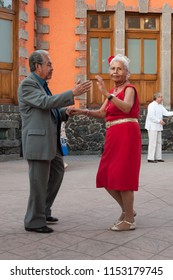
(75, 111)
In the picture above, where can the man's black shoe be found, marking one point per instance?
(51, 220)
(160, 160)
(152, 161)
(44, 229)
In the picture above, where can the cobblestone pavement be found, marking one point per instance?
(85, 213)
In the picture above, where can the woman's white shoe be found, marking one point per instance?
(123, 226)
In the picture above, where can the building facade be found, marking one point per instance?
(80, 35)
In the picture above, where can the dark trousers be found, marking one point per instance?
(45, 180)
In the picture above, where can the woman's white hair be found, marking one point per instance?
(124, 59)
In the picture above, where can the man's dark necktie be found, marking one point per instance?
(56, 115)
(54, 111)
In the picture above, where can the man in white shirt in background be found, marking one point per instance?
(154, 124)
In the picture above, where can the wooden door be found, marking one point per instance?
(9, 52)
(100, 46)
(143, 49)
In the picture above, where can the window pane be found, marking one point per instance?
(105, 21)
(134, 22)
(149, 23)
(94, 55)
(6, 41)
(105, 54)
(93, 21)
(134, 55)
(6, 4)
(150, 56)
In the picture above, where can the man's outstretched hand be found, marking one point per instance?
(81, 88)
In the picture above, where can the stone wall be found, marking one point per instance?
(168, 135)
(10, 132)
(86, 135)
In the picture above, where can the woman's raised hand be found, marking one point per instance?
(101, 86)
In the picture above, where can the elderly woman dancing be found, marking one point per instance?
(119, 166)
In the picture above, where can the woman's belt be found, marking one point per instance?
(111, 123)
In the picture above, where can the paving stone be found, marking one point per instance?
(85, 213)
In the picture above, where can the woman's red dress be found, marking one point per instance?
(120, 162)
